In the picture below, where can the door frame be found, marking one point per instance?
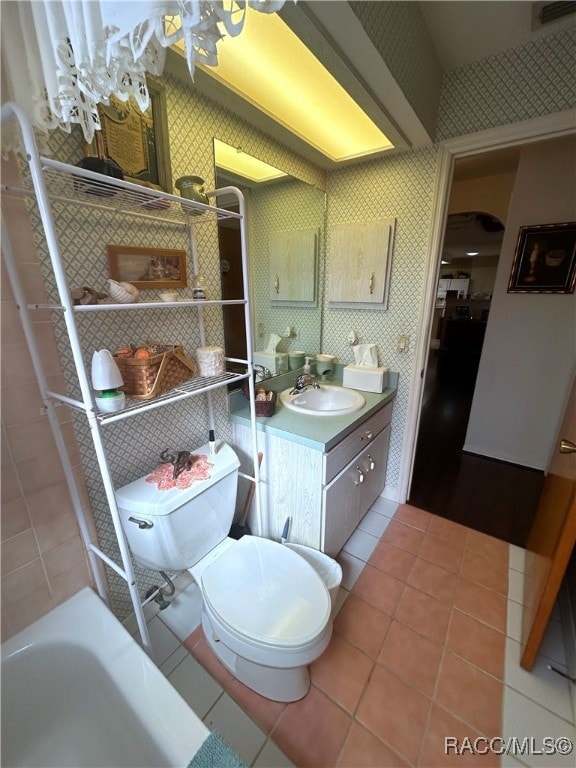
(525, 132)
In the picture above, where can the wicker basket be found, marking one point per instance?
(262, 407)
(149, 377)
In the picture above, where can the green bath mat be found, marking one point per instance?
(215, 752)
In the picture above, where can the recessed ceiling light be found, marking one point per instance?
(270, 67)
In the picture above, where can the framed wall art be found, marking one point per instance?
(136, 141)
(545, 259)
(147, 268)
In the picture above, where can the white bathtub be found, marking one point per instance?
(77, 690)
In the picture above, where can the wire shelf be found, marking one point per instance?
(194, 386)
(94, 190)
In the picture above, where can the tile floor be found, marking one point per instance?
(425, 646)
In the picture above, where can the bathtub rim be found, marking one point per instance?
(86, 620)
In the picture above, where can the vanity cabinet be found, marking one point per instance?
(359, 264)
(293, 266)
(350, 495)
(325, 495)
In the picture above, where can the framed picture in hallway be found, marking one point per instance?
(545, 259)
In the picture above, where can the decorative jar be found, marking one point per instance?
(192, 188)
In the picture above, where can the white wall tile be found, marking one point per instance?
(374, 522)
(236, 727)
(361, 544)
(195, 685)
(541, 685)
(524, 719)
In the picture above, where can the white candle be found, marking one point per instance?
(210, 361)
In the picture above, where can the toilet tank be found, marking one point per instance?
(170, 525)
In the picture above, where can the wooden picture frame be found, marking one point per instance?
(147, 268)
(545, 259)
(137, 142)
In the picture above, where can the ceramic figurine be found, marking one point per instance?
(182, 461)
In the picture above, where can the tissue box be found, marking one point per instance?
(365, 378)
(276, 362)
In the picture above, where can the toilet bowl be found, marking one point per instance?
(266, 611)
(266, 615)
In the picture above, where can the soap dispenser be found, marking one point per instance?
(307, 369)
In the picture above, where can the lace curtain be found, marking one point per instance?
(63, 57)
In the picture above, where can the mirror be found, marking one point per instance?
(278, 206)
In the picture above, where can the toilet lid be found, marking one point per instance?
(267, 592)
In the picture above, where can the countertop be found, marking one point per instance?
(319, 432)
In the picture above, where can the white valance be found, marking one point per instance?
(63, 57)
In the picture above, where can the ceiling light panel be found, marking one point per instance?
(271, 68)
(236, 161)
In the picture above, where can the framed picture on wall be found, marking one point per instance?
(545, 259)
(147, 268)
(136, 141)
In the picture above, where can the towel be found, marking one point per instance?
(215, 752)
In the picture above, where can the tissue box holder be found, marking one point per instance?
(365, 378)
(276, 362)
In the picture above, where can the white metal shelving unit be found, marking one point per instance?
(50, 181)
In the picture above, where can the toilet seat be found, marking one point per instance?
(267, 595)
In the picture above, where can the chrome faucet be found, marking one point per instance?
(262, 372)
(302, 383)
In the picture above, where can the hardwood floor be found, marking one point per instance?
(491, 496)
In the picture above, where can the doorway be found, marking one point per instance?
(232, 286)
(494, 497)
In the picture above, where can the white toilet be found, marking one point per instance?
(266, 611)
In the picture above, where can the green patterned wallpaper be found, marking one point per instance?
(400, 35)
(535, 79)
(133, 445)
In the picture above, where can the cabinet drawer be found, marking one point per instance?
(342, 453)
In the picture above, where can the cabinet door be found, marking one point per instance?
(341, 503)
(351, 494)
(292, 260)
(360, 263)
(373, 463)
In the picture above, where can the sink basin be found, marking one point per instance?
(329, 400)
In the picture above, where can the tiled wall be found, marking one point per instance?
(43, 559)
